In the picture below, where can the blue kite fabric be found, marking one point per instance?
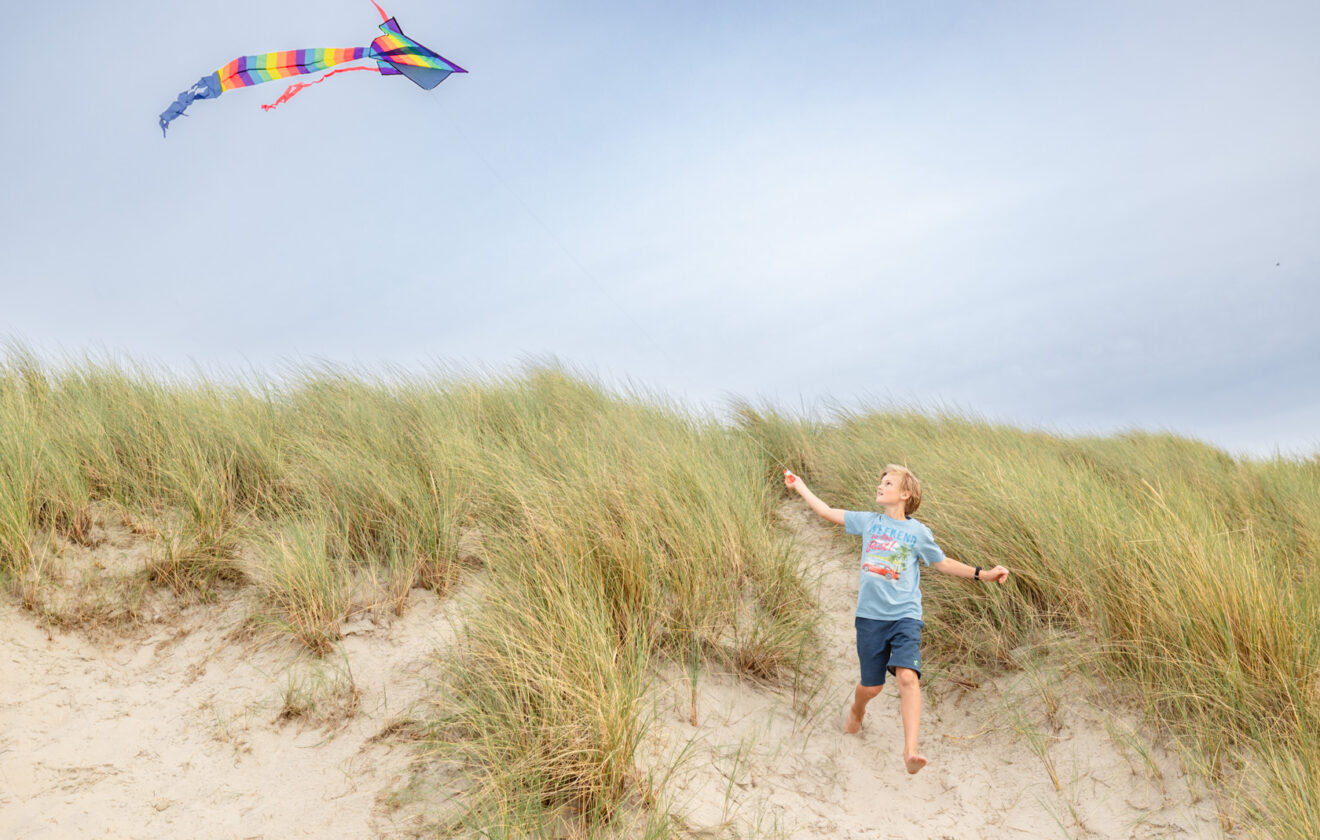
(207, 87)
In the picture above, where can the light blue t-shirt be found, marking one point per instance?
(889, 583)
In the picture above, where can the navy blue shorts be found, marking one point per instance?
(886, 645)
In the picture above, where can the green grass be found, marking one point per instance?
(612, 533)
(1194, 574)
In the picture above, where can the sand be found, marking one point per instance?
(187, 726)
(186, 732)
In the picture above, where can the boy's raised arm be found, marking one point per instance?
(793, 482)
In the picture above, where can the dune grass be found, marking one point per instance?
(613, 533)
(627, 532)
(1196, 575)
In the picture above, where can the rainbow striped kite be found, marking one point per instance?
(395, 54)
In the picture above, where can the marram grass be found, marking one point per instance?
(1195, 576)
(611, 532)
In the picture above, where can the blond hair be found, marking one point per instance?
(907, 483)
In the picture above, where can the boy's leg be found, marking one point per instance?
(872, 654)
(857, 711)
(905, 665)
(909, 694)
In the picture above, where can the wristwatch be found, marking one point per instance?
(977, 576)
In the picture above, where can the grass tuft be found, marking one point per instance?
(304, 591)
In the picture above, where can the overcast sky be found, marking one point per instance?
(1078, 216)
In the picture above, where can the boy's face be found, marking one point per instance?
(888, 493)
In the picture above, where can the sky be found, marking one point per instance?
(1074, 216)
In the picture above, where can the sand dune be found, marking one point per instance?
(187, 733)
(184, 729)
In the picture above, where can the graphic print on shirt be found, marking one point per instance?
(886, 557)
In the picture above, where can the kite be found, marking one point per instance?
(395, 54)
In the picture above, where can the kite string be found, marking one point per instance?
(583, 269)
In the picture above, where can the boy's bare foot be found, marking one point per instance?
(853, 723)
(914, 762)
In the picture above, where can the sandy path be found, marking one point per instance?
(179, 735)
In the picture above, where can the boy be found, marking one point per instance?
(888, 618)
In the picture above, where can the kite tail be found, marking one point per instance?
(207, 87)
(294, 89)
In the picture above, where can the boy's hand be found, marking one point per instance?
(996, 575)
(791, 481)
